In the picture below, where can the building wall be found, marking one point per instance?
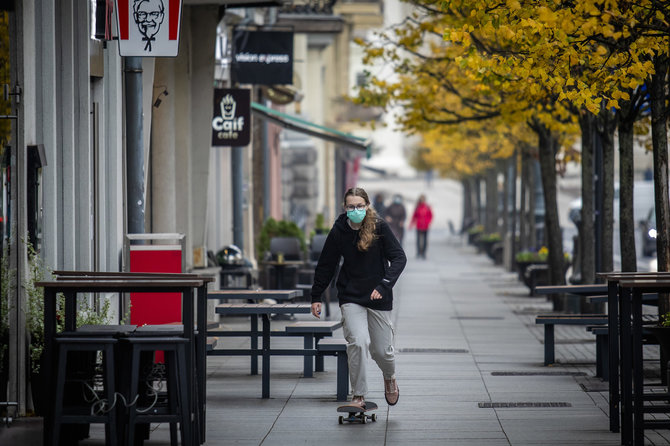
(77, 118)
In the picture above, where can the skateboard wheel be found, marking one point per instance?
(341, 419)
(374, 417)
(364, 419)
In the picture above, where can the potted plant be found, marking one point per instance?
(282, 228)
(474, 232)
(662, 333)
(524, 259)
(87, 313)
(320, 225)
(485, 242)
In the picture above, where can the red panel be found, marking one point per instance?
(155, 308)
(122, 7)
(175, 6)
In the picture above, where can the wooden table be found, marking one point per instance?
(250, 295)
(631, 360)
(189, 287)
(580, 290)
(263, 310)
(259, 294)
(280, 266)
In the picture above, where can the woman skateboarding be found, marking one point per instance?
(373, 261)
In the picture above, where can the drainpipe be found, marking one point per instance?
(266, 168)
(134, 146)
(237, 166)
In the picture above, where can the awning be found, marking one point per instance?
(309, 128)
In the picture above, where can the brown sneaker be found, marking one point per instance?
(358, 401)
(391, 391)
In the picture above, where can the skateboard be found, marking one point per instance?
(356, 414)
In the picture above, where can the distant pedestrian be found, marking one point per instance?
(379, 205)
(396, 216)
(373, 261)
(422, 217)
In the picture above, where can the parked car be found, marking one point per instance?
(648, 226)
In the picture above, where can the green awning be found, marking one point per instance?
(309, 128)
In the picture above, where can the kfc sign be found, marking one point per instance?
(148, 28)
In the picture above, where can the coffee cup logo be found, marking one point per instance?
(228, 106)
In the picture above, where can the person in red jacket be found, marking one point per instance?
(421, 218)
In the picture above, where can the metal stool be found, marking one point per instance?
(84, 414)
(178, 402)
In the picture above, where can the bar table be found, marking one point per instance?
(189, 287)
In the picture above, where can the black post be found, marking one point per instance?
(134, 146)
(237, 166)
(598, 190)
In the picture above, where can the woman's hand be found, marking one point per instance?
(375, 295)
(316, 310)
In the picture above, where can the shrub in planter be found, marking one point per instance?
(474, 232)
(282, 228)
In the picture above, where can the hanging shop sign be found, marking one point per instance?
(262, 57)
(231, 125)
(148, 28)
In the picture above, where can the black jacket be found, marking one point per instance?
(362, 272)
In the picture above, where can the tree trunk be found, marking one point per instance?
(491, 220)
(626, 216)
(523, 203)
(478, 199)
(606, 130)
(530, 216)
(504, 166)
(548, 148)
(660, 154)
(513, 216)
(468, 217)
(587, 233)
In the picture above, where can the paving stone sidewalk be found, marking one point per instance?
(468, 352)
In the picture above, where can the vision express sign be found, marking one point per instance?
(262, 57)
(231, 125)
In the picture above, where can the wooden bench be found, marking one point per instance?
(550, 320)
(338, 348)
(602, 350)
(596, 321)
(602, 344)
(312, 332)
(211, 342)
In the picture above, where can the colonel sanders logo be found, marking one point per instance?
(148, 15)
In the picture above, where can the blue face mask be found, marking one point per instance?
(356, 216)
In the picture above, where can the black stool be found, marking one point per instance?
(178, 404)
(81, 413)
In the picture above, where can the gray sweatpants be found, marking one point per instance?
(367, 330)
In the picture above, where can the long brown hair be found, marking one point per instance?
(367, 233)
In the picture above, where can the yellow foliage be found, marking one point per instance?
(503, 63)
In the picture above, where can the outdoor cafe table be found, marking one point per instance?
(263, 310)
(201, 341)
(627, 292)
(127, 283)
(631, 289)
(278, 295)
(605, 293)
(280, 268)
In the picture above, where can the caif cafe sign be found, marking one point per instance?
(231, 125)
